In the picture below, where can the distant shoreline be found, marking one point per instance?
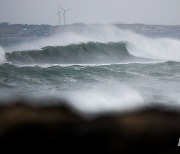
(24, 30)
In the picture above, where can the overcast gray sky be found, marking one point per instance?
(91, 11)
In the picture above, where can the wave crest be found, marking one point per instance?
(92, 52)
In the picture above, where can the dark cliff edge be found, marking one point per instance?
(60, 128)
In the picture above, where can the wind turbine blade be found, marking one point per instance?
(62, 8)
(68, 10)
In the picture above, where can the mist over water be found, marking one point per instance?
(98, 69)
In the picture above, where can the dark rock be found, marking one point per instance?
(61, 129)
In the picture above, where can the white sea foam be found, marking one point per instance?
(88, 65)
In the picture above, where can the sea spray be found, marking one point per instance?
(154, 48)
(2, 56)
(110, 98)
(137, 45)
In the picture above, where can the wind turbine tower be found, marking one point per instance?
(64, 14)
(59, 13)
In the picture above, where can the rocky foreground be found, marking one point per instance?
(61, 129)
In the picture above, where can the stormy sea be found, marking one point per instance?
(96, 89)
(99, 69)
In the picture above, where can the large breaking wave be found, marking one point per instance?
(92, 52)
(103, 44)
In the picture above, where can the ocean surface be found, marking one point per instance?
(100, 69)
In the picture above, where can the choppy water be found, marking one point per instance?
(105, 70)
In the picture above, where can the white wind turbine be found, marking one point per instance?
(64, 14)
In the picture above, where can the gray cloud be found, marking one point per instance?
(91, 11)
